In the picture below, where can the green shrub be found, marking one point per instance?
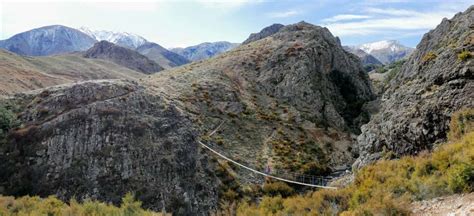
(230, 195)
(8, 121)
(428, 57)
(464, 55)
(461, 178)
(277, 189)
(461, 122)
(35, 206)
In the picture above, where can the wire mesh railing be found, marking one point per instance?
(282, 175)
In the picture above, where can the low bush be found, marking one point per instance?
(461, 122)
(8, 121)
(428, 57)
(277, 189)
(464, 55)
(51, 205)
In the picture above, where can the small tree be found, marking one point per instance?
(8, 120)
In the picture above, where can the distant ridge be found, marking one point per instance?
(123, 56)
(164, 57)
(124, 39)
(386, 51)
(204, 50)
(267, 31)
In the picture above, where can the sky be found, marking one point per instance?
(180, 23)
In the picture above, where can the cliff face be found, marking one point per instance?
(434, 82)
(102, 139)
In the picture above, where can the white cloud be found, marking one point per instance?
(388, 19)
(392, 11)
(283, 14)
(226, 4)
(342, 17)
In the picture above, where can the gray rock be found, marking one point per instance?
(314, 72)
(102, 139)
(417, 106)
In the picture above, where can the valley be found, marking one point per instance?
(288, 122)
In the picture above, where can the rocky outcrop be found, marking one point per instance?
(267, 31)
(315, 73)
(122, 56)
(102, 139)
(434, 82)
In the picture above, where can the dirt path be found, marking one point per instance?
(267, 150)
(455, 205)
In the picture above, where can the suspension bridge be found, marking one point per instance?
(293, 178)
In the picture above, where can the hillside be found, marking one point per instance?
(105, 138)
(122, 56)
(28, 73)
(287, 123)
(389, 187)
(282, 99)
(279, 109)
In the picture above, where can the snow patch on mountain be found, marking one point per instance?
(124, 39)
(386, 51)
(391, 45)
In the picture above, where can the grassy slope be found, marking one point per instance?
(21, 73)
(33, 206)
(388, 186)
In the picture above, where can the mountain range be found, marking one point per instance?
(386, 51)
(125, 39)
(48, 40)
(368, 61)
(57, 39)
(290, 102)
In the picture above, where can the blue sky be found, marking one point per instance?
(177, 23)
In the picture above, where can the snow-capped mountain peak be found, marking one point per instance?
(124, 39)
(391, 45)
(386, 51)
